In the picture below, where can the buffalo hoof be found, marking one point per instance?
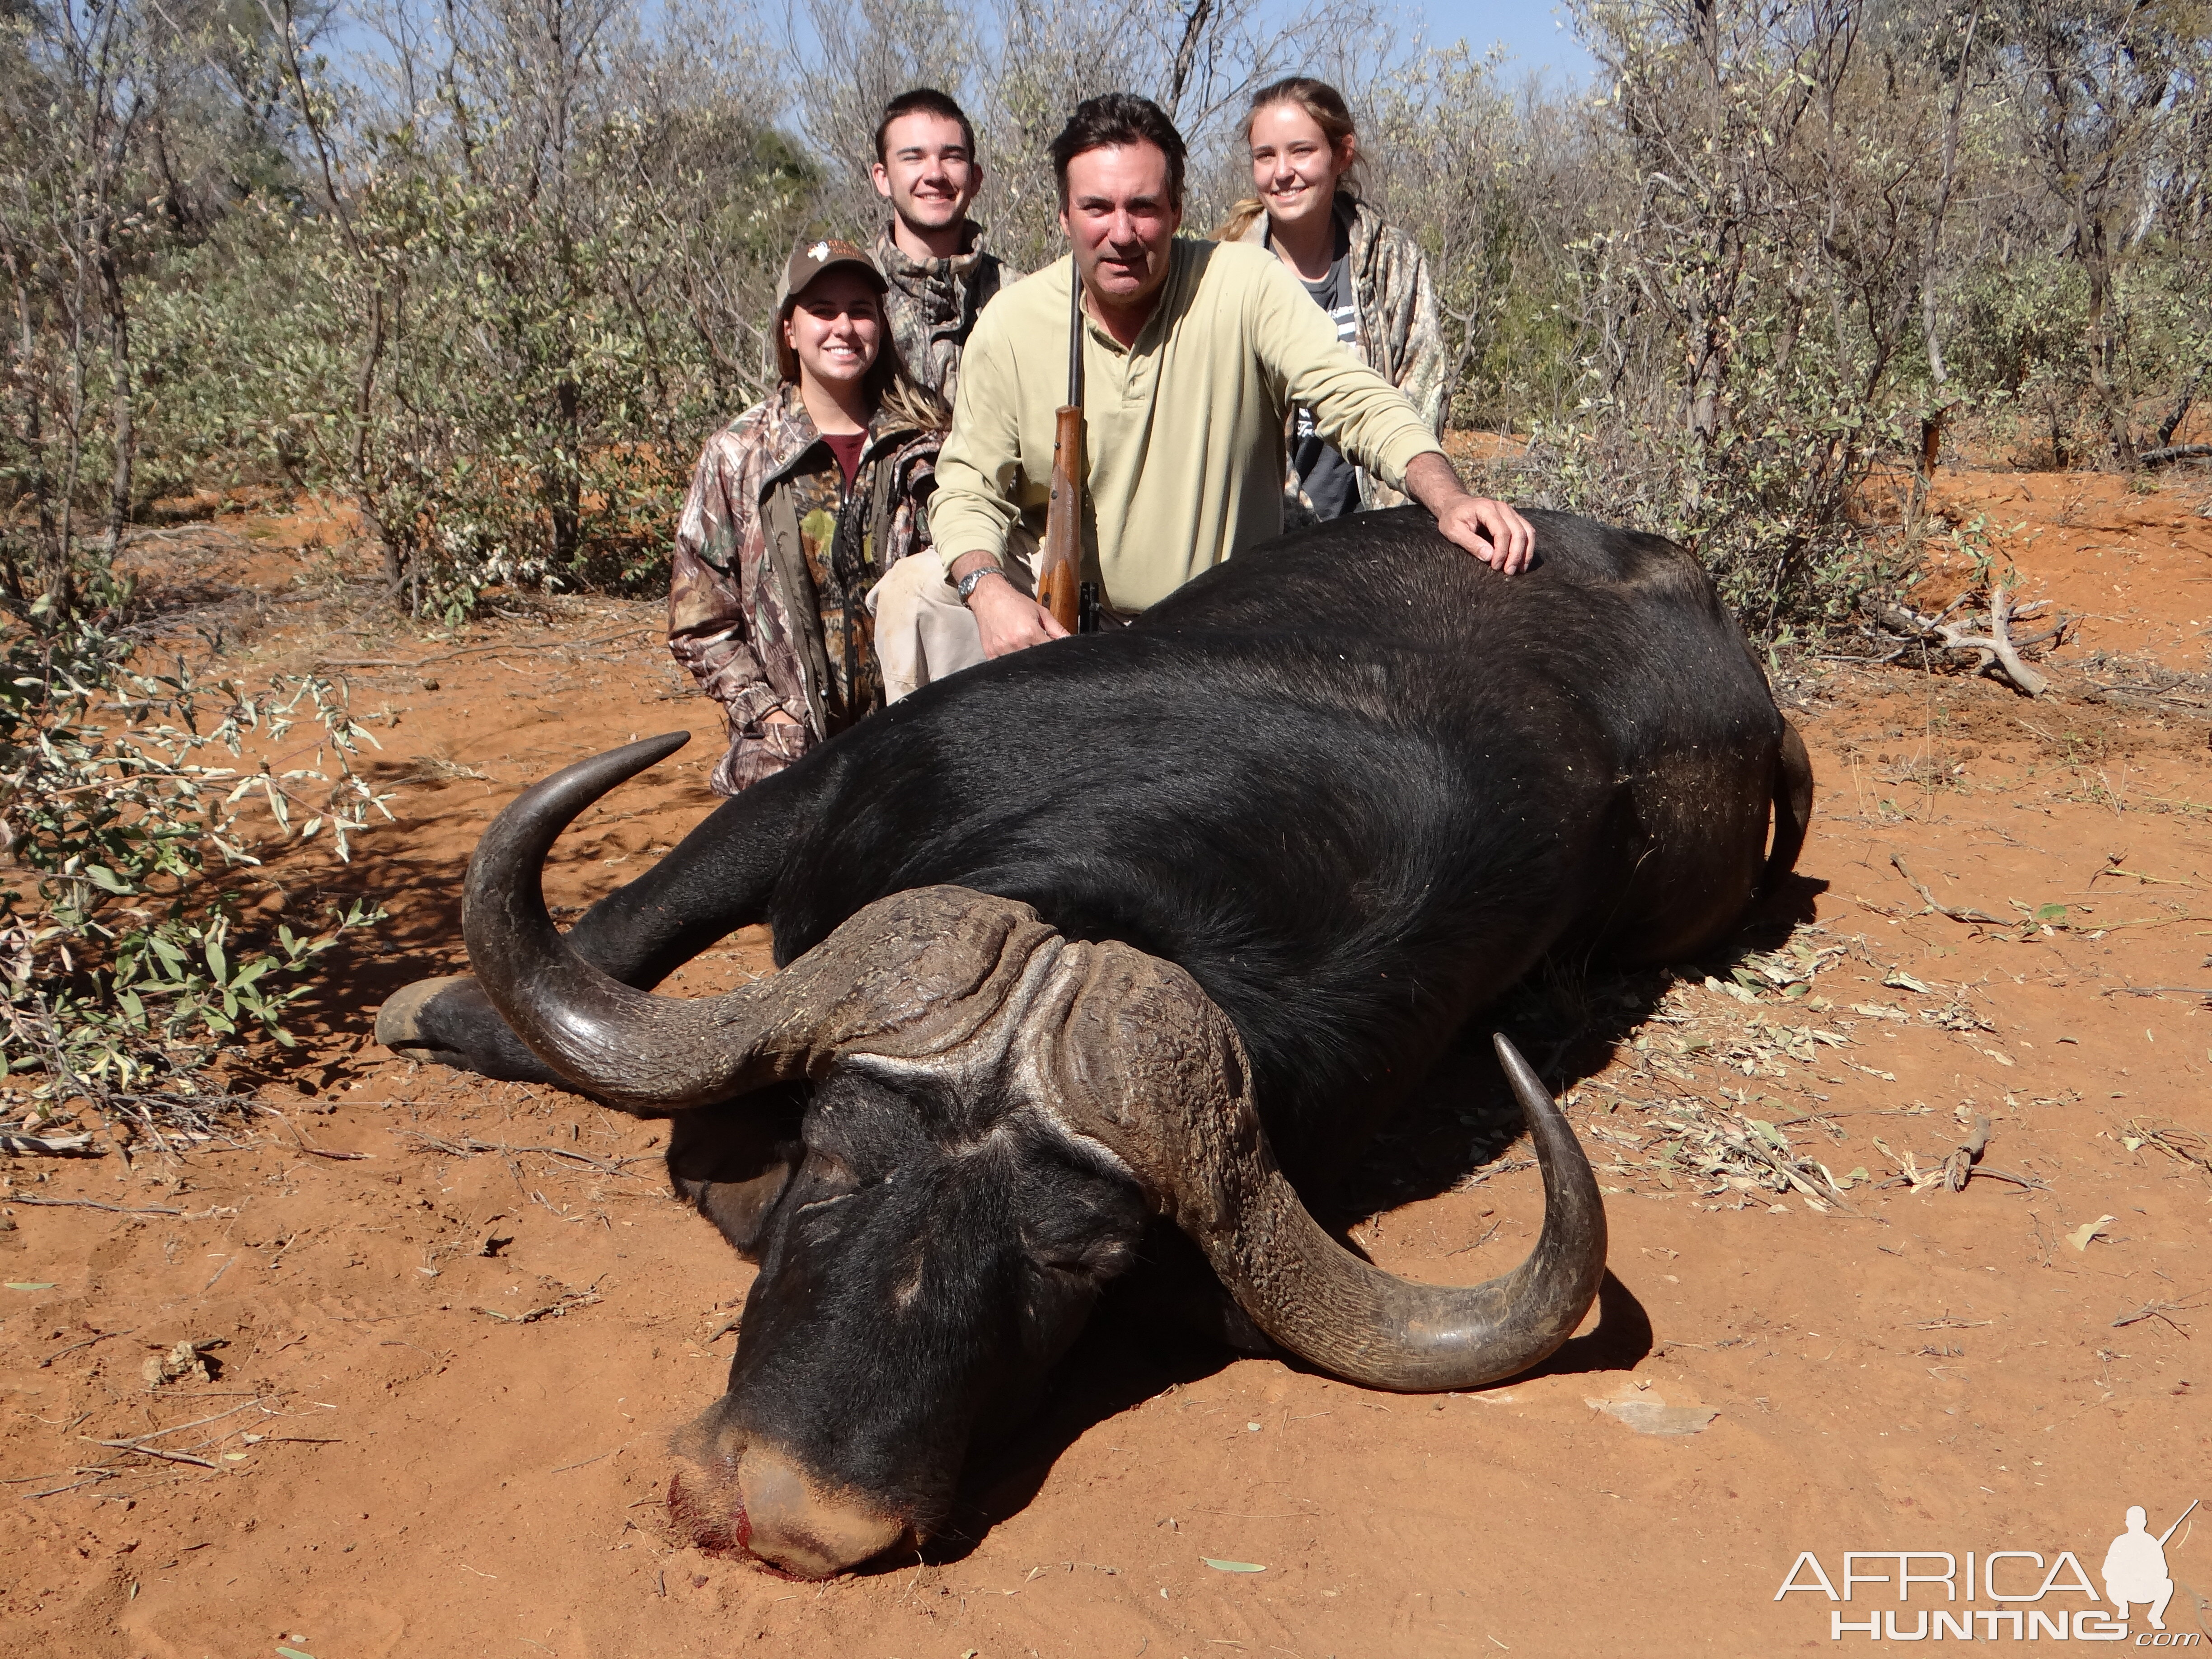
(451, 1021)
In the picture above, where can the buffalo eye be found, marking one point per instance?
(1105, 1259)
(1084, 1227)
(824, 1179)
(1099, 1255)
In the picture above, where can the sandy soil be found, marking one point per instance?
(457, 1321)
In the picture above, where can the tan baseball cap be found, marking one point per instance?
(813, 255)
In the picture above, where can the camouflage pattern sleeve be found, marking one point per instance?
(908, 533)
(1410, 346)
(706, 630)
(1414, 319)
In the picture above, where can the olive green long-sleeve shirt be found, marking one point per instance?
(1183, 432)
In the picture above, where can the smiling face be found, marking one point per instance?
(1121, 218)
(833, 329)
(1294, 166)
(927, 173)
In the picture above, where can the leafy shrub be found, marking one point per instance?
(125, 966)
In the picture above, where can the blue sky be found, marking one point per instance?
(1533, 32)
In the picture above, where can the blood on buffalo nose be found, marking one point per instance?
(791, 1524)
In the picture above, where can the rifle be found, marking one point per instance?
(1061, 587)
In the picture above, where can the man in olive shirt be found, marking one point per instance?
(1193, 352)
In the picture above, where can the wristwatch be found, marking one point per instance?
(967, 585)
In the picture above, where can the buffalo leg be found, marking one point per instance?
(719, 879)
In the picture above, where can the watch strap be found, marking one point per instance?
(968, 583)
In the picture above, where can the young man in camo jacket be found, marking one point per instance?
(932, 253)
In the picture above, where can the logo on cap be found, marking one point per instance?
(818, 252)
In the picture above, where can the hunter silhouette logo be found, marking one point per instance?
(2135, 1567)
(2034, 1600)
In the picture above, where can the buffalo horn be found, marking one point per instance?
(1144, 1063)
(914, 974)
(1164, 1084)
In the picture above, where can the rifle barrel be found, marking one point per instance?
(1074, 331)
(2176, 1527)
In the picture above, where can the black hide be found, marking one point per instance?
(1356, 783)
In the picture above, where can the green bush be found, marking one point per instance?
(126, 971)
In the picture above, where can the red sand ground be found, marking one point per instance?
(424, 1443)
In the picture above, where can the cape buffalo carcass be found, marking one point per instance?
(1126, 935)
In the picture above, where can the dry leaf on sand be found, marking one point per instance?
(2080, 1238)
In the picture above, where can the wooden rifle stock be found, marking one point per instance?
(1061, 576)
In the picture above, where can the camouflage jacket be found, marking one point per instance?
(932, 303)
(773, 556)
(1400, 333)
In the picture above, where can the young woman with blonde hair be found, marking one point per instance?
(1370, 276)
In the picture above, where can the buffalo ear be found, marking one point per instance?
(730, 1163)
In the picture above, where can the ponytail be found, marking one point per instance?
(892, 388)
(1241, 217)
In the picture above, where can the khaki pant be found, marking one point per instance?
(923, 632)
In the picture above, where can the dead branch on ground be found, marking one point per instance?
(1939, 908)
(79, 1145)
(2162, 1311)
(1950, 634)
(2172, 453)
(1959, 1168)
(469, 1145)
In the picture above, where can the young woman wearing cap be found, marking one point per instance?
(1370, 276)
(796, 510)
